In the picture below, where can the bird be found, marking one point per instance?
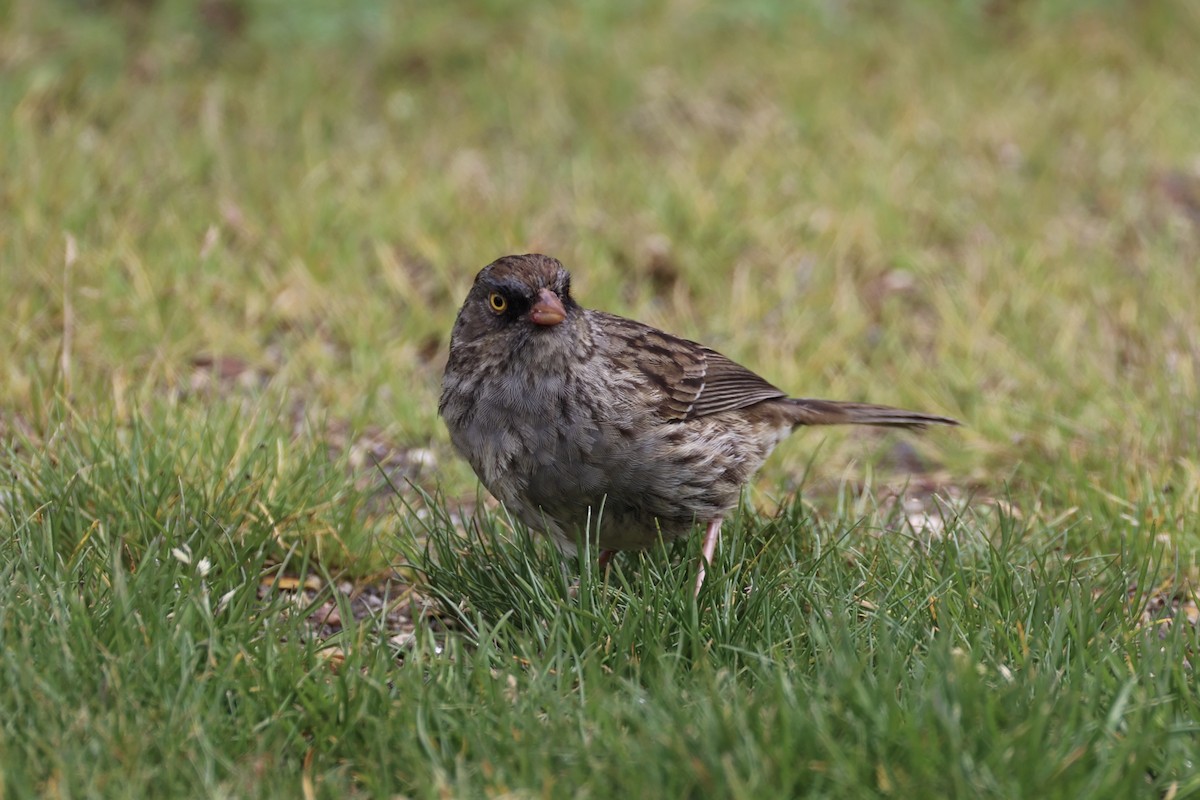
(582, 422)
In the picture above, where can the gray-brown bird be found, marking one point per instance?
(573, 417)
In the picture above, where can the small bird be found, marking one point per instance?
(578, 420)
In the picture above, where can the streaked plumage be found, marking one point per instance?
(569, 415)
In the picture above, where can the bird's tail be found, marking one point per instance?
(806, 411)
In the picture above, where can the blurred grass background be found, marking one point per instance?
(233, 238)
(984, 209)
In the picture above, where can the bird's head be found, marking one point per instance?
(517, 301)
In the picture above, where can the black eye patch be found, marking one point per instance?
(514, 302)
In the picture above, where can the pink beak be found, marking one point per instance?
(548, 310)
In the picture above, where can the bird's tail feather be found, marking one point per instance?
(807, 411)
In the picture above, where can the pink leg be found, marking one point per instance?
(605, 557)
(711, 534)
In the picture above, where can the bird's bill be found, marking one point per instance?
(548, 310)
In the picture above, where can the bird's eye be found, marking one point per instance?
(497, 302)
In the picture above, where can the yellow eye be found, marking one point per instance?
(497, 302)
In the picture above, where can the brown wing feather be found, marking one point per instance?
(694, 380)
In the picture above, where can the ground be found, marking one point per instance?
(240, 558)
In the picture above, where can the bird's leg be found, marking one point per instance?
(711, 534)
(605, 557)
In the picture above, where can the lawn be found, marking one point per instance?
(239, 558)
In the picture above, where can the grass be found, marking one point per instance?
(826, 656)
(233, 239)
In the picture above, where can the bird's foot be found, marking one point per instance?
(711, 534)
(605, 557)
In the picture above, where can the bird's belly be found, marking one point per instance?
(629, 488)
(604, 473)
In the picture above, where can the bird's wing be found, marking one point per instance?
(694, 380)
